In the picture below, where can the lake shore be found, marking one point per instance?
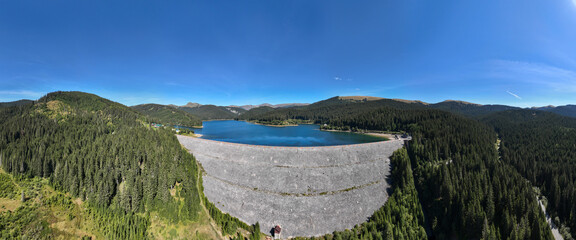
(270, 125)
(384, 135)
(387, 136)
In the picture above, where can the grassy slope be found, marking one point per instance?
(47, 211)
(71, 219)
(204, 228)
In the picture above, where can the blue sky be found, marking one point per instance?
(513, 52)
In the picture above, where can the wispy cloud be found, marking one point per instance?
(337, 78)
(513, 94)
(556, 78)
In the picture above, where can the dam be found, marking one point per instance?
(309, 191)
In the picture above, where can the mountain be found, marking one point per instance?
(360, 98)
(453, 106)
(257, 111)
(330, 108)
(469, 109)
(282, 105)
(477, 110)
(15, 103)
(168, 115)
(567, 110)
(208, 112)
(86, 166)
(192, 105)
(211, 112)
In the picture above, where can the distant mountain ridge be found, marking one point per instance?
(469, 108)
(191, 105)
(454, 106)
(246, 107)
(282, 105)
(212, 112)
(566, 110)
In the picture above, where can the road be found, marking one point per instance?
(555, 231)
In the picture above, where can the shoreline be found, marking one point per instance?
(269, 125)
(178, 126)
(388, 136)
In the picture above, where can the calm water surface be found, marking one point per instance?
(302, 135)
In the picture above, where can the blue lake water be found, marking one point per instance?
(301, 135)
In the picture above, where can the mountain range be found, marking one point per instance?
(213, 112)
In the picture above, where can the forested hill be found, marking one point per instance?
(464, 190)
(168, 115)
(542, 147)
(470, 109)
(15, 103)
(567, 110)
(276, 116)
(211, 112)
(103, 153)
(329, 110)
(252, 113)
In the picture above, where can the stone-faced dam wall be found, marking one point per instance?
(309, 191)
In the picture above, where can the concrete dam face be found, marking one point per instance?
(309, 191)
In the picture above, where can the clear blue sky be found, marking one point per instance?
(513, 52)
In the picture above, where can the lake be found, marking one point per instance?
(301, 135)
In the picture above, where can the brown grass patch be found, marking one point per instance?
(201, 229)
(7, 204)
